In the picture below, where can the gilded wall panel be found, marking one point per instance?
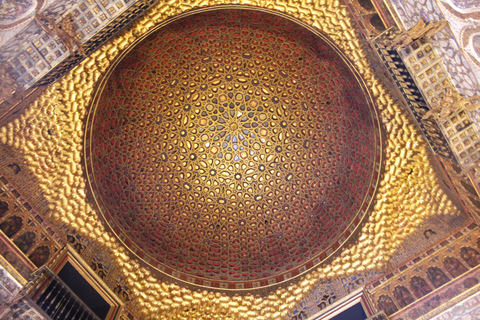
(440, 274)
(326, 293)
(16, 172)
(467, 309)
(29, 242)
(433, 231)
(443, 298)
(102, 262)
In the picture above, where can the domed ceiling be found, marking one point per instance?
(232, 149)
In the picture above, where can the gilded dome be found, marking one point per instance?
(233, 149)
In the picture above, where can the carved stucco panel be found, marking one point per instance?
(462, 17)
(410, 11)
(464, 75)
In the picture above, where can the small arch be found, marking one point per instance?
(40, 256)
(470, 255)
(3, 208)
(437, 277)
(429, 233)
(11, 226)
(387, 305)
(402, 296)
(419, 286)
(454, 266)
(26, 241)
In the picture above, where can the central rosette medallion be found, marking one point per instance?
(232, 148)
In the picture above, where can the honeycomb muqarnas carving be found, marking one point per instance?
(233, 151)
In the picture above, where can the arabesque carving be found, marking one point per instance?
(473, 169)
(8, 85)
(403, 39)
(452, 101)
(65, 30)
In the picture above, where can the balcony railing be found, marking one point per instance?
(53, 297)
